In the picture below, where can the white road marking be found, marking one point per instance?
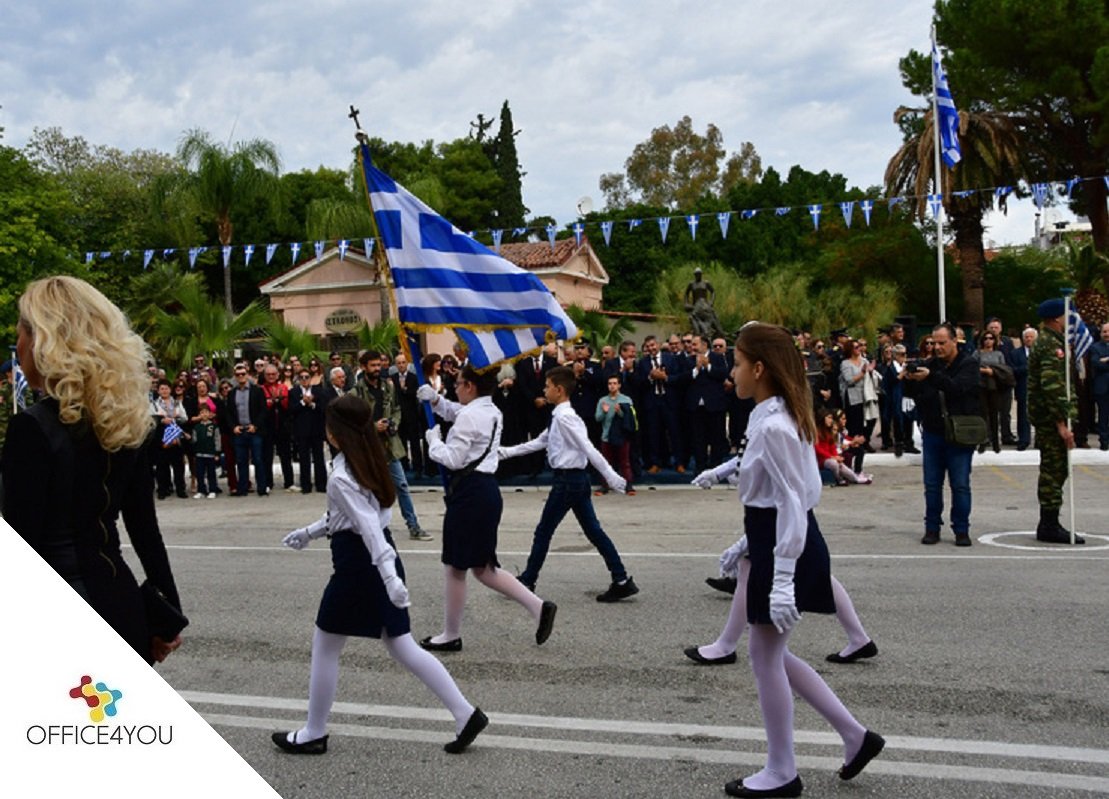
(992, 539)
(702, 754)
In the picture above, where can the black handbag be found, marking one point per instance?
(962, 431)
(163, 619)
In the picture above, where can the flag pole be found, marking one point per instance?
(937, 187)
(1066, 371)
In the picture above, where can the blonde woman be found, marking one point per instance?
(77, 460)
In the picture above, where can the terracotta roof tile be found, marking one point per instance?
(540, 255)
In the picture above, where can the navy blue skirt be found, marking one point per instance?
(812, 579)
(355, 601)
(474, 506)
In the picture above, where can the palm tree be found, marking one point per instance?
(284, 340)
(382, 337)
(156, 289)
(993, 155)
(200, 325)
(222, 180)
(598, 329)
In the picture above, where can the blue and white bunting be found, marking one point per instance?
(847, 209)
(226, 255)
(866, 206)
(169, 252)
(126, 254)
(88, 257)
(368, 247)
(295, 247)
(445, 279)
(497, 234)
(748, 213)
(1039, 193)
(147, 255)
(552, 231)
(270, 250)
(814, 212)
(1001, 192)
(193, 252)
(248, 252)
(965, 193)
(1070, 186)
(948, 116)
(105, 255)
(935, 202)
(519, 231)
(724, 217)
(693, 220)
(663, 227)
(318, 247)
(783, 210)
(344, 245)
(579, 231)
(894, 202)
(633, 224)
(606, 231)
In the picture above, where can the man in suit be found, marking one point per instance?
(1099, 368)
(1018, 359)
(659, 375)
(588, 388)
(1005, 400)
(246, 409)
(307, 404)
(705, 404)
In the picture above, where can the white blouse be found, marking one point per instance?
(352, 507)
(469, 435)
(779, 471)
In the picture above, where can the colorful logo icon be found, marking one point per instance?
(99, 697)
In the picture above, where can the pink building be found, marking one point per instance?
(332, 297)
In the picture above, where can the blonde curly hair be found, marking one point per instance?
(90, 360)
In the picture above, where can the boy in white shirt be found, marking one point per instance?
(569, 451)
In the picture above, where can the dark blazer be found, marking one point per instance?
(1098, 369)
(308, 420)
(708, 385)
(530, 384)
(1018, 360)
(673, 378)
(257, 407)
(959, 384)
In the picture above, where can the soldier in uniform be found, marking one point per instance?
(1050, 411)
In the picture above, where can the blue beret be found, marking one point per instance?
(6, 366)
(1050, 309)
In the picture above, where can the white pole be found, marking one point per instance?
(1066, 371)
(937, 189)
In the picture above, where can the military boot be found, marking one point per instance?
(1050, 531)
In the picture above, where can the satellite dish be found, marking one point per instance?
(585, 205)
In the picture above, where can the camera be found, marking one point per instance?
(914, 365)
(390, 427)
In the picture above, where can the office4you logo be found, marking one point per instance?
(103, 705)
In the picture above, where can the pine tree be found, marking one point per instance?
(510, 202)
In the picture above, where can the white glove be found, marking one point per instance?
(705, 479)
(619, 485)
(426, 393)
(709, 477)
(729, 559)
(783, 605)
(394, 585)
(432, 435)
(297, 539)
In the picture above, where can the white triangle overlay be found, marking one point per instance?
(52, 638)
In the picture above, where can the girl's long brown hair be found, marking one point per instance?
(775, 348)
(350, 422)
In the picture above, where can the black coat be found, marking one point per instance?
(308, 420)
(959, 384)
(708, 385)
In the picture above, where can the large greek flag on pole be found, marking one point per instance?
(446, 280)
(946, 115)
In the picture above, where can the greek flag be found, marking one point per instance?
(172, 432)
(1079, 334)
(445, 279)
(21, 387)
(946, 114)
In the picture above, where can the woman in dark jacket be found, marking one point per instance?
(77, 461)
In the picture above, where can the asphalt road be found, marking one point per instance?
(992, 678)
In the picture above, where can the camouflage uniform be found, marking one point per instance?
(1047, 406)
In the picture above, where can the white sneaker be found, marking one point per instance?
(198, 495)
(212, 495)
(293, 490)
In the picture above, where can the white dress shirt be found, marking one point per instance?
(779, 471)
(352, 507)
(469, 435)
(567, 444)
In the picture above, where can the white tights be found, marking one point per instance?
(843, 473)
(324, 680)
(778, 674)
(454, 596)
(728, 639)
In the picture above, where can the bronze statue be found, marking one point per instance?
(699, 298)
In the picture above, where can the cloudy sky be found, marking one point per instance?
(808, 83)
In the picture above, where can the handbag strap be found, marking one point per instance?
(943, 406)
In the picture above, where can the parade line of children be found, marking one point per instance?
(780, 564)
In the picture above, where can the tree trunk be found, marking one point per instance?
(972, 262)
(1095, 191)
(224, 228)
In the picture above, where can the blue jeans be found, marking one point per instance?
(248, 446)
(404, 496)
(570, 491)
(940, 458)
(206, 474)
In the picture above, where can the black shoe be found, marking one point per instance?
(912, 450)
(317, 746)
(898, 450)
(931, 537)
(873, 743)
(478, 722)
(790, 789)
(1104, 446)
(1021, 447)
(182, 495)
(963, 540)
(725, 584)
(697, 657)
(867, 650)
(618, 591)
(546, 621)
(447, 646)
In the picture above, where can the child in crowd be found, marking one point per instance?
(206, 439)
(828, 454)
(569, 451)
(366, 595)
